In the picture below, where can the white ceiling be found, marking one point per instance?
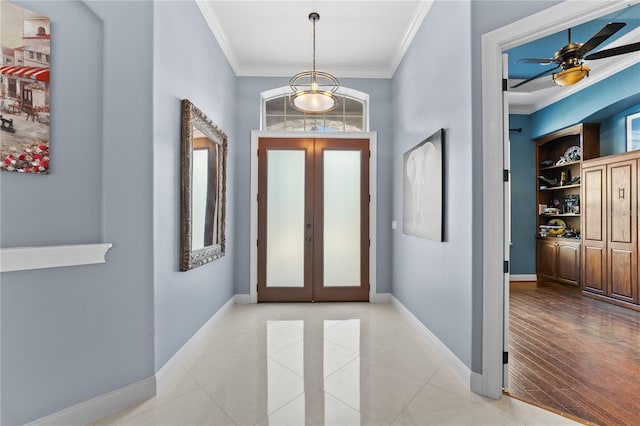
(354, 38)
(360, 38)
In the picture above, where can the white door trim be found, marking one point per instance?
(373, 147)
(548, 21)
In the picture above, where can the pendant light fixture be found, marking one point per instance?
(313, 92)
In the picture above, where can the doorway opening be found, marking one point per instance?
(495, 159)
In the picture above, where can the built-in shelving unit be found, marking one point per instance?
(559, 157)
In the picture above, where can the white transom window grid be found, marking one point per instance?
(350, 115)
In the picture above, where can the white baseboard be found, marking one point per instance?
(188, 347)
(453, 362)
(243, 299)
(523, 277)
(381, 298)
(476, 382)
(102, 405)
(119, 399)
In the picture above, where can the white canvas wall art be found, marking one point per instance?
(422, 212)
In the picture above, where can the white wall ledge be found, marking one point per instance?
(28, 258)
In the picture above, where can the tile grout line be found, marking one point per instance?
(409, 403)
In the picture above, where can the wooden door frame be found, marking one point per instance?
(373, 148)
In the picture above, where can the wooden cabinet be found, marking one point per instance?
(622, 230)
(559, 158)
(610, 245)
(558, 260)
(594, 232)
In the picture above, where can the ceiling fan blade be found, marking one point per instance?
(607, 31)
(542, 61)
(614, 51)
(545, 72)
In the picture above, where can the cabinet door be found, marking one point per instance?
(594, 229)
(568, 258)
(622, 230)
(546, 260)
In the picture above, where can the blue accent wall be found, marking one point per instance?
(523, 196)
(585, 103)
(613, 132)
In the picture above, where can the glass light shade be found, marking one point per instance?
(310, 101)
(571, 75)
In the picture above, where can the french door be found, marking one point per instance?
(313, 220)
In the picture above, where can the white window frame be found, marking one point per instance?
(342, 91)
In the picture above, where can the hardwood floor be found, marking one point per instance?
(574, 354)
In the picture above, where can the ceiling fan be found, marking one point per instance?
(570, 57)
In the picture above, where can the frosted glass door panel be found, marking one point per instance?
(341, 218)
(285, 218)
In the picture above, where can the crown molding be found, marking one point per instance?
(216, 29)
(412, 29)
(339, 72)
(385, 71)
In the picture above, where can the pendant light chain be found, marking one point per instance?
(313, 92)
(314, 45)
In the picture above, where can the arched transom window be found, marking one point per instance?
(351, 115)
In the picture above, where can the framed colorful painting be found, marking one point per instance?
(24, 90)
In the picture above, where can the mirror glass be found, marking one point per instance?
(203, 185)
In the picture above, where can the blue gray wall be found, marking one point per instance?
(441, 283)
(115, 138)
(188, 63)
(433, 279)
(91, 328)
(380, 120)
(69, 334)
(486, 15)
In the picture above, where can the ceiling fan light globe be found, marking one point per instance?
(571, 75)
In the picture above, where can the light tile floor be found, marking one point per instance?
(319, 364)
